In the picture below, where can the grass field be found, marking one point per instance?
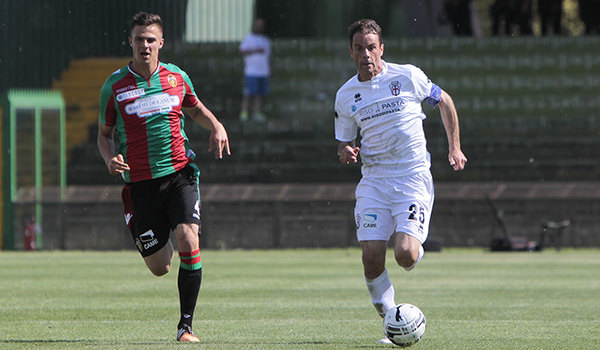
(300, 299)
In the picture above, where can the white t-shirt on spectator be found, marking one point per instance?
(256, 64)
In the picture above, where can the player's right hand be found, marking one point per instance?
(116, 165)
(349, 155)
(219, 141)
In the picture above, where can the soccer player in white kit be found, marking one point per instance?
(395, 194)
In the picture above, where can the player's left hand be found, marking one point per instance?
(219, 142)
(457, 160)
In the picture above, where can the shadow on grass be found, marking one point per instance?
(34, 342)
(73, 341)
(41, 341)
(293, 343)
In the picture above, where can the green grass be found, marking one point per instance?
(300, 299)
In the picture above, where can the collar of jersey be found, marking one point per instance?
(137, 75)
(376, 78)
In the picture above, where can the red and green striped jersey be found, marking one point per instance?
(148, 120)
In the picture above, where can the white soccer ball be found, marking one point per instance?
(404, 324)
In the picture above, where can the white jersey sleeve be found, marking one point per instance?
(345, 125)
(425, 90)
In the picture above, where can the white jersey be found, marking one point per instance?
(256, 64)
(387, 110)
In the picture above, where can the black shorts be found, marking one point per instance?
(155, 207)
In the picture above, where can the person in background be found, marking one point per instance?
(551, 12)
(511, 16)
(521, 14)
(457, 13)
(588, 12)
(256, 49)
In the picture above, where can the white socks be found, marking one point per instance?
(421, 253)
(382, 293)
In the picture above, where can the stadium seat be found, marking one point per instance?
(516, 121)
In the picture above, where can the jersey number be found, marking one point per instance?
(417, 213)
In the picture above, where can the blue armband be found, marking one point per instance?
(435, 95)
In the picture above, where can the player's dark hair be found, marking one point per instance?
(364, 26)
(145, 19)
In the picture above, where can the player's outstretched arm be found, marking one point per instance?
(450, 119)
(348, 153)
(115, 163)
(219, 141)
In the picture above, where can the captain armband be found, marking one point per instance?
(435, 95)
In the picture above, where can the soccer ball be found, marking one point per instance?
(404, 324)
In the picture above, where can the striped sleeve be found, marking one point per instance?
(107, 109)
(190, 99)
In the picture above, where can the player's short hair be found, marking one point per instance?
(145, 19)
(365, 26)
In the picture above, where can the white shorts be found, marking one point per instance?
(398, 204)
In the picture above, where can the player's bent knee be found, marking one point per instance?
(160, 270)
(405, 261)
(406, 258)
(159, 263)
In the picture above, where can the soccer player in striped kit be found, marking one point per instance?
(395, 194)
(141, 111)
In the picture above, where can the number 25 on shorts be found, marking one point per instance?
(417, 213)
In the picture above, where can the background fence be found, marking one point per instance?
(266, 216)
